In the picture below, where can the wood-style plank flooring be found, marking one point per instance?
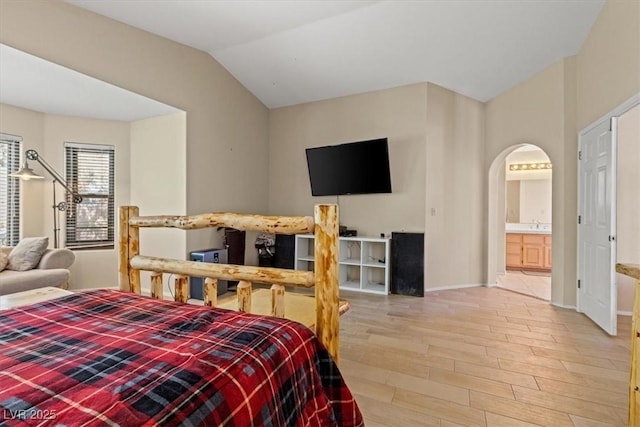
(481, 357)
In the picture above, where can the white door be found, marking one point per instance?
(597, 294)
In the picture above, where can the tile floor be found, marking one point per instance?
(482, 357)
(529, 283)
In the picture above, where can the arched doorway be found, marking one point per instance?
(520, 225)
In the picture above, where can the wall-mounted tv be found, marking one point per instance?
(354, 168)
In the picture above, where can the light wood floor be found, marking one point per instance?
(481, 356)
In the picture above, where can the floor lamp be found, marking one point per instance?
(26, 173)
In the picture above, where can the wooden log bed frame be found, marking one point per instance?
(324, 278)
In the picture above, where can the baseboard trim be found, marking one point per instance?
(625, 313)
(571, 307)
(453, 287)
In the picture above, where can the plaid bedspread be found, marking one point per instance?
(106, 357)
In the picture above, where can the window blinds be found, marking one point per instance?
(9, 190)
(90, 172)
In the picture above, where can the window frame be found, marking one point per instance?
(72, 173)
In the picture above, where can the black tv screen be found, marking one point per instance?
(355, 168)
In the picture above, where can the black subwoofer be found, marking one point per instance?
(285, 251)
(407, 264)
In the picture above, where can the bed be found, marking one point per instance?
(116, 357)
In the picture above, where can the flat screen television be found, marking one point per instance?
(354, 168)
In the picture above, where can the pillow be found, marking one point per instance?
(27, 253)
(4, 260)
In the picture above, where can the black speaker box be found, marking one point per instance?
(285, 251)
(235, 241)
(407, 264)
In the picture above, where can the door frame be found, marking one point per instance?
(496, 213)
(616, 112)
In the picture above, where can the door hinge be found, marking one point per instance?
(610, 124)
(580, 155)
(612, 238)
(578, 283)
(579, 219)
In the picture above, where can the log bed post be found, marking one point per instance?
(244, 290)
(129, 247)
(210, 292)
(326, 277)
(633, 270)
(156, 285)
(181, 288)
(277, 300)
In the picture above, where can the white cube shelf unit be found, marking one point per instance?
(363, 262)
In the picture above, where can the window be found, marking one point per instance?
(90, 171)
(9, 190)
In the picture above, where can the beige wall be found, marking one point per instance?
(454, 190)
(398, 114)
(435, 138)
(150, 173)
(512, 200)
(93, 268)
(30, 126)
(158, 182)
(608, 74)
(438, 160)
(628, 204)
(531, 113)
(226, 125)
(550, 109)
(608, 64)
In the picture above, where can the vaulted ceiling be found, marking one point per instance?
(289, 52)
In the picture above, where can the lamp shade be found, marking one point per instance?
(26, 173)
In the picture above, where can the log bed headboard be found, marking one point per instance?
(324, 278)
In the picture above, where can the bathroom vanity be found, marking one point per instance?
(528, 247)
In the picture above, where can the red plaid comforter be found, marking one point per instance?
(106, 357)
